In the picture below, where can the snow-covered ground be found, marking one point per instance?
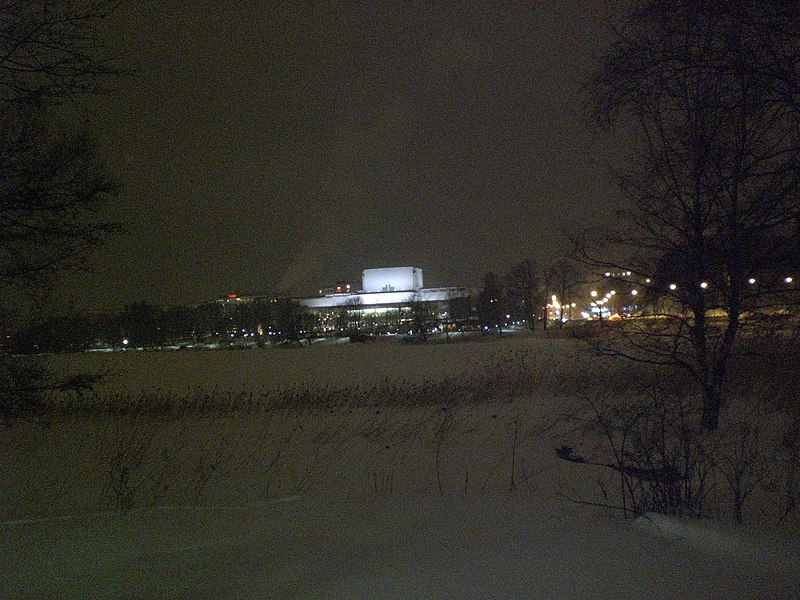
(397, 547)
(422, 501)
(253, 369)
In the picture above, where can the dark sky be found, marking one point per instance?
(270, 146)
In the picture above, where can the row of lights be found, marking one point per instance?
(674, 286)
(751, 281)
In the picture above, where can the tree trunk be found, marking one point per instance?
(711, 407)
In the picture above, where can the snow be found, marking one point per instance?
(726, 542)
(494, 546)
(253, 369)
(372, 502)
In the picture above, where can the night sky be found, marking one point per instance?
(269, 147)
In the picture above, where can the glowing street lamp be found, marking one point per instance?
(673, 287)
(634, 292)
(788, 280)
(593, 293)
(704, 285)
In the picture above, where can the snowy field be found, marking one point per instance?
(427, 496)
(253, 369)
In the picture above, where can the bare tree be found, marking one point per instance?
(489, 304)
(287, 320)
(52, 182)
(349, 315)
(51, 188)
(52, 51)
(545, 289)
(421, 314)
(710, 90)
(563, 274)
(522, 289)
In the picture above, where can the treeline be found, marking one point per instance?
(142, 324)
(524, 294)
(519, 296)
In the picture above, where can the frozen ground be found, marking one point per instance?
(423, 501)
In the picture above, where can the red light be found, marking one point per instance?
(231, 296)
(338, 289)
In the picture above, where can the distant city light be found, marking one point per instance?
(608, 274)
(673, 287)
(788, 280)
(634, 292)
(125, 342)
(647, 280)
(704, 285)
(751, 281)
(593, 293)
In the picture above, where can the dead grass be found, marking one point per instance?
(488, 424)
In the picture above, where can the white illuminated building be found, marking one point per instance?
(391, 279)
(388, 287)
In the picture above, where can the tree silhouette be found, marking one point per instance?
(52, 182)
(522, 292)
(489, 305)
(710, 90)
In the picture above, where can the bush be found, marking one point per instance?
(664, 463)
